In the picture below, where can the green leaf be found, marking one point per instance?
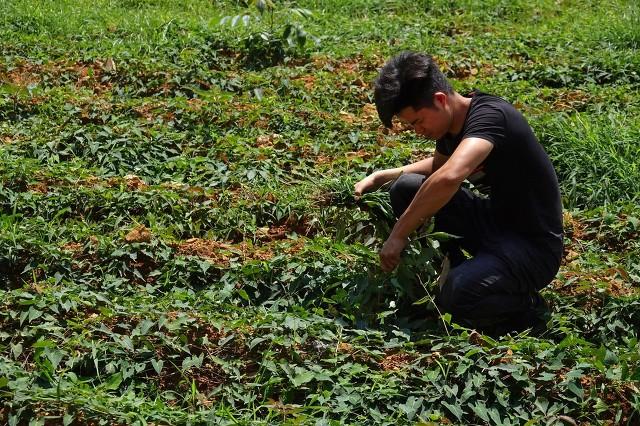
(44, 344)
(411, 407)
(256, 341)
(577, 390)
(34, 314)
(67, 419)
(303, 376)
(610, 358)
(454, 409)
(193, 361)
(495, 416)
(480, 409)
(113, 382)
(145, 326)
(55, 356)
(242, 293)
(16, 349)
(157, 365)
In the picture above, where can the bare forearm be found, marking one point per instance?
(422, 167)
(431, 197)
(381, 177)
(375, 180)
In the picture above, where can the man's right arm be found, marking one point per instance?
(378, 178)
(427, 166)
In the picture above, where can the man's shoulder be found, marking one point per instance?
(482, 99)
(498, 110)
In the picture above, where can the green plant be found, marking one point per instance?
(277, 32)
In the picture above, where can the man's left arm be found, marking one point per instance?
(434, 194)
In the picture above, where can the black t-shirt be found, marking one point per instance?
(521, 182)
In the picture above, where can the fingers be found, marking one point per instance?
(390, 253)
(359, 189)
(363, 186)
(389, 262)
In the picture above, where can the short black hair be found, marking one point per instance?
(407, 79)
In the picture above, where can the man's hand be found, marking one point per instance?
(375, 180)
(390, 253)
(365, 185)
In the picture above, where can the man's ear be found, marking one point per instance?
(440, 99)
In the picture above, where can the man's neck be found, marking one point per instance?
(460, 107)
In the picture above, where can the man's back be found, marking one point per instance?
(524, 190)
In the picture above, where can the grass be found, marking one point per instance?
(179, 242)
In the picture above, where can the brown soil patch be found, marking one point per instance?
(322, 159)
(574, 230)
(23, 75)
(355, 354)
(215, 251)
(313, 115)
(223, 253)
(369, 113)
(80, 254)
(347, 117)
(266, 141)
(368, 116)
(208, 377)
(90, 181)
(419, 155)
(72, 247)
(595, 285)
(345, 348)
(396, 361)
(349, 65)
(476, 338)
(463, 70)
(39, 187)
(139, 234)
(90, 75)
(262, 123)
(273, 233)
(85, 74)
(133, 182)
(397, 127)
(358, 154)
(308, 81)
(146, 112)
(570, 100)
(196, 104)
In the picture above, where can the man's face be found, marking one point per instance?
(430, 122)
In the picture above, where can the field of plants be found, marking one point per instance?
(180, 243)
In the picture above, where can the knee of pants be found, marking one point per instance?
(453, 296)
(403, 190)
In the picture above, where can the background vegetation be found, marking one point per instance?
(179, 243)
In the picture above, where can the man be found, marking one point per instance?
(514, 235)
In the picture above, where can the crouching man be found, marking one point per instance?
(514, 235)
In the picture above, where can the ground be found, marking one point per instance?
(180, 243)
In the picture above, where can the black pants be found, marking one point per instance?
(496, 290)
